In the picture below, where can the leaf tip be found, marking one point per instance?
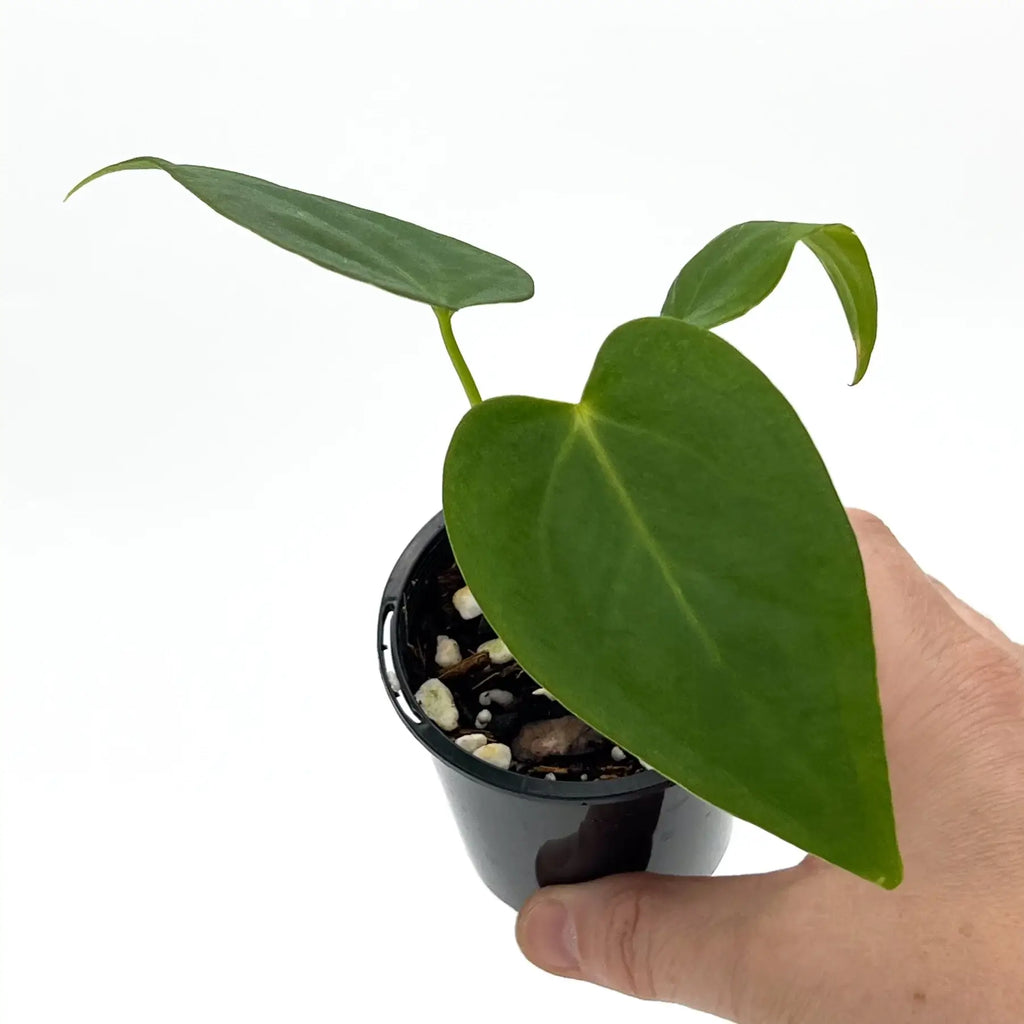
(85, 181)
(863, 360)
(74, 190)
(892, 878)
(887, 869)
(137, 163)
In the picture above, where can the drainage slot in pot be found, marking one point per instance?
(383, 643)
(406, 710)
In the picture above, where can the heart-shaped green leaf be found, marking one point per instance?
(392, 254)
(742, 265)
(670, 559)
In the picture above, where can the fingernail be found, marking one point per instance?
(549, 937)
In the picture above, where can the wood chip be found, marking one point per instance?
(467, 664)
(555, 737)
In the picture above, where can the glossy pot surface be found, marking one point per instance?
(523, 832)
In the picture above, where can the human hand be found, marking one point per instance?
(813, 943)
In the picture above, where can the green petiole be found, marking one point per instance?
(444, 319)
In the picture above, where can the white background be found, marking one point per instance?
(214, 451)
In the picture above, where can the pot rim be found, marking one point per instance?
(439, 743)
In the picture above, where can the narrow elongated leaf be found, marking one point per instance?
(392, 254)
(669, 558)
(741, 266)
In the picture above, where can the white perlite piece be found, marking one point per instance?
(465, 604)
(503, 698)
(541, 692)
(448, 652)
(550, 776)
(497, 651)
(584, 777)
(495, 753)
(438, 704)
(618, 754)
(484, 718)
(396, 686)
(472, 742)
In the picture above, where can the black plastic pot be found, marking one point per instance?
(523, 832)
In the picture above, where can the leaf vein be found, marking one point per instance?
(583, 417)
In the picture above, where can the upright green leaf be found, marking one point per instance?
(741, 267)
(669, 558)
(392, 254)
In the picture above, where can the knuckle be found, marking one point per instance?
(979, 708)
(867, 523)
(994, 684)
(628, 945)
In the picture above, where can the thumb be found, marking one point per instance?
(684, 940)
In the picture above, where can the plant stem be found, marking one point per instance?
(444, 318)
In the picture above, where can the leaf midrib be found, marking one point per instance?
(584, 423)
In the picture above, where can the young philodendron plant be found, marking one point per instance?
(667, 555)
